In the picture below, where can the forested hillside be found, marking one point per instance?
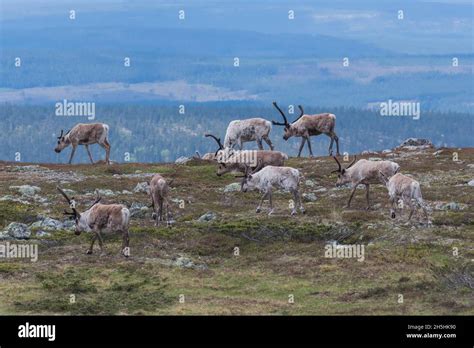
(159, 133)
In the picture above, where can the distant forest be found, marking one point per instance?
(159, 133)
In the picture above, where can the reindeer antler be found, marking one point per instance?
(302, 113)
(350, 165)
(282, 114)
(61, 135)
(97, 199)
(338, 164)
(71, 202)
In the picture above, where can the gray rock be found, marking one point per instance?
(183, 160)
(450, 206)
(106, 192)
(471, 183)
(48, 224)
(125, 192)
(42, 234)
(309, 197)
(209, 216)
(310, 183)
(18, 230)
(26, 190)
(14, 199)
(322, 189)
(69, 224)
(375, 159)
(387, 151)
(416, 142)
(142, 187)
(234, 187)
(138, 209)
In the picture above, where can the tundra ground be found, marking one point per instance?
(194, 267)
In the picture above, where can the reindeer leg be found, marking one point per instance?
(89, 153)
(259, 207)
(268, 141)
(336, 138)
(101, 241)
(301, 146)
(106, 146)
(259, 143)
(271, 201)
(125, 243)
(393, 201)
(352, 195)
(309, 147)
(412, 210)
(93, 239)
(296, 201)
(330, 144)
(72, 153)
(367, 186)
(168, 214)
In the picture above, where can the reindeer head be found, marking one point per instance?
(81, 225)
(343, 176)
(63, 142)
(289, 128)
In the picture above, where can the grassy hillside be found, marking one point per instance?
(279, 256)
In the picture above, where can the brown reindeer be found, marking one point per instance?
(159, 192)
(109, 217)
(306, 126)
(85, 134)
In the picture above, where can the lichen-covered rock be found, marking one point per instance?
(142, 187)
(48, 224)
(416, 142)
(138, 209)
(26, 190)
(183, 160)
(309, 197)
(234, 187)
(209, 216)
(18, 230)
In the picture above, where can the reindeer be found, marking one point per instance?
(252, 129)
(363, 172)
(236, 161)
(270, 177)
(159, 192)
(85, 134)
(405, 188)
(109, 217)
(306, 126)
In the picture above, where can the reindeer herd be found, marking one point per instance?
(261, 170)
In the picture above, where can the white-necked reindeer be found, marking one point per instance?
(252, 129)
(159, 192)
(405, 188)
(306, 126)
(231, 161)
(270, 177)
(100, 217)
(364, 172)
(85, 134)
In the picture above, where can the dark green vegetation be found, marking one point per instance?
(159, 133)
(278, 256)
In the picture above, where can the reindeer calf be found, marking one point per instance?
(407, 189)
(270, 177)
(159, 191)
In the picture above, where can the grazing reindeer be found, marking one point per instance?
(85, 134)
(306, 126)
(110, 217)
(270, 177)
(159, 191)
(252, 129)
(363, 172)
(405, 188)
(255, 159)
(237, 161)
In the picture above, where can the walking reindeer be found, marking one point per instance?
(363, 172)
(407, 189)
(85, 134)
(306, 126)
(270, 177)
(100, 217)
(252, 129)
